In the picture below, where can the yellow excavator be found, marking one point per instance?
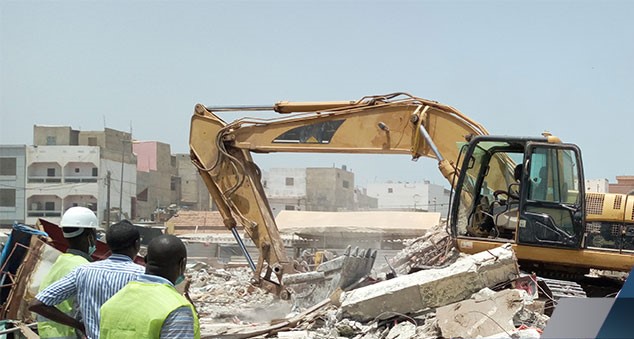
(528, 191)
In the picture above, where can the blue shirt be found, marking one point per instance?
(179, 323)
(92, 284)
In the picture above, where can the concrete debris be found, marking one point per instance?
(432, 288)
(404, 330)
(435, 248)
(482, 316)
(451, 301)
(489, 313)
(528, 333)
(227, 296)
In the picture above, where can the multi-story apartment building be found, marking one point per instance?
(12, 184)
(158, 183)
(194, 194)
(59, 177)
(330, 189)
(415, 196)
(314, 189)
(66, 168)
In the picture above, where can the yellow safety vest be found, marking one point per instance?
(62, 266)
(139, 310)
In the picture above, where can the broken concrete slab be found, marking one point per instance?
(435, 248)
(529, 333)
(484, 315)
(403, 330)
(431, 288)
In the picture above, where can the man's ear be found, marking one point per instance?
(184, 265)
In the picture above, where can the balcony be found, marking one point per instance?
(43, 213)
(80, 179)
(44, 179)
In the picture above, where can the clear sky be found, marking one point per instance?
(517, 67)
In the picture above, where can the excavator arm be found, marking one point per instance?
(396, 123)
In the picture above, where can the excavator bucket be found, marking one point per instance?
(340, 273)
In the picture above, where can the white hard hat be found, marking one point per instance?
(78, 217)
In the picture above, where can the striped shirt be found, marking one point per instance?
(179, 323)
(92, 284)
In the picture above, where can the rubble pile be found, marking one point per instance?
(467, 297)
(433, 249)
(227, 296)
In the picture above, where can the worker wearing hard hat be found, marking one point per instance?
(150, 307)
(94, 283)
(79, 225)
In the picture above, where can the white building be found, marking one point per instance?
(60, 177)
(414, 196)
(285, 189)
(12, 184)
(597, 185)
(314, 189)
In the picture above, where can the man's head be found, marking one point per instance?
(166, 257)
(124, 238)
(79, 225)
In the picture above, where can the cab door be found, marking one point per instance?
(552, 208)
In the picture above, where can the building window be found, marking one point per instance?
(7, 197)
(50, 172)
(289, 207)
(95, 171)
(92, 141)
(174, 183)
(51, 140)
(346, 184)
(290, 181)
(76, 170)
(390, 190)
(7, 166)
(142, 196)
(49, 206)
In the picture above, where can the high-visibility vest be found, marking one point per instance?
(139, 310)
(62, 266)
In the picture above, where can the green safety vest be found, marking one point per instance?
(139, 310)
(62, 266)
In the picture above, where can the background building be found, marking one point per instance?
(194, 195)
(597, 185)
(12, 184)
(314, 189)
(624, 184)
(158, 183)
(415, 196)
(66, 168)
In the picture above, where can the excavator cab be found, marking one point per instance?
(542, 205)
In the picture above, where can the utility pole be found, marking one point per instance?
(121, 186)
(108, 200)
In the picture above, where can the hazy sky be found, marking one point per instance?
(516, 67)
